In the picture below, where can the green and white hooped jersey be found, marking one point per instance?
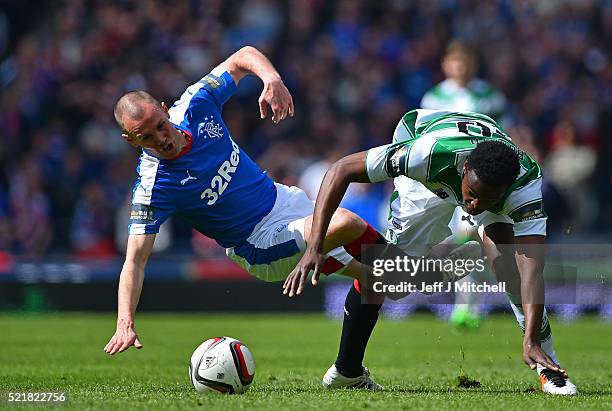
(477, 96)
(431, 146)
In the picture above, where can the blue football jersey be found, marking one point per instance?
(215, 186)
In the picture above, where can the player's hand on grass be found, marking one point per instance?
(533, 354)
(124, 338)
(276, 95)
(310, 261)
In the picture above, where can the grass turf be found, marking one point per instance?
(418, 361)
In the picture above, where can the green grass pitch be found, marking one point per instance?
(417, 360)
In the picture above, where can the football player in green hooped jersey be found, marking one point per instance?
(450, 159)
(463, 91)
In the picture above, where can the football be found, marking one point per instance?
(223, 365)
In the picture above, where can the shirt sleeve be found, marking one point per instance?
(146, 219)
(219, 85)
(526, 209)
(388, 161)
(411, 158)
(402, 133)
(376, 163)
(148, 212)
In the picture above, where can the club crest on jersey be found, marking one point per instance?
(210, 129)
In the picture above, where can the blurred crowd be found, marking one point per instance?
(353, 67)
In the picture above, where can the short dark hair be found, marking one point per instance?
(494, 163)
(131, 104)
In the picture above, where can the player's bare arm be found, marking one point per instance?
(249, 60)
(526, 263)
(335, 183)
(530, 260)
(130, 286)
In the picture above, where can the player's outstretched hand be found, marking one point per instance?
(124, 338)
(534, 354)
(276, 95)
(311, 260)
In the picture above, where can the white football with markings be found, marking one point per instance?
(223, 365)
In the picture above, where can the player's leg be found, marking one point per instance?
(351, 233)
(359, 318)
(465, 311)
(274, 248)
(414, 231)
(415, 228)
(358, 323)
(500, 234)
(348, 234)
(552, 382)
(344, 227)
(347, 230)
(277, 243)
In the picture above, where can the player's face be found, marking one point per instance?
(477, 196)
(458, 66)
(155, 132)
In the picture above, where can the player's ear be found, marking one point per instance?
(164, 107)
(465, 168)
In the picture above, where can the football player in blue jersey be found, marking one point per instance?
(191, 168)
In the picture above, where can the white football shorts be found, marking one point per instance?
(277, 242)
(420, 219)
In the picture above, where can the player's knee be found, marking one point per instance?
(349, 222)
